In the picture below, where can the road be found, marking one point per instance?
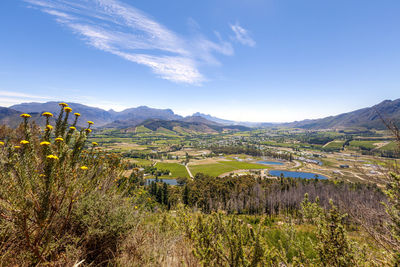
(187, 168)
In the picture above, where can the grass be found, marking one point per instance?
(392, 146)
(215, 169)
(368, 145)
(337, 144)
(142, 129)
(142, 162)
(182, 131)
(165, 131)
(211, 169)
(243, 165)
(177, 170)
(283, 238)
(291, 145)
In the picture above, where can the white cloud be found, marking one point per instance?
(125, 31)
(21, 95)
(242, 35)
(9, 98)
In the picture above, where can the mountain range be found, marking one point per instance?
(369, 118)
(128, 119)
(165, 118)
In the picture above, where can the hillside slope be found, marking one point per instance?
(366, 117)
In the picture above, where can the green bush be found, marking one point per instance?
(58, 195)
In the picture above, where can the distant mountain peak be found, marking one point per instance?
(212, 118)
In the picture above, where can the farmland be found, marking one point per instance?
(220, 167)
(221, 153)
(177, 170)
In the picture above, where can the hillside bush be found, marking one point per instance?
(59, 200)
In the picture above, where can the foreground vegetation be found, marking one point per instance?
(64, 201)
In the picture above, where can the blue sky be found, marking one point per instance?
(253, 60)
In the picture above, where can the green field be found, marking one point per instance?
(177, 170)
(367, 145)
(221, 167)
(337, 144)
(142, 162)
(163, 130)
(392, 146)
(142, 129)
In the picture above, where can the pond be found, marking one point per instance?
(304, 175)
(270, 162)
(167, 181)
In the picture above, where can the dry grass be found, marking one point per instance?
(156, 242)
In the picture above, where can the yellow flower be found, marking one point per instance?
(24, 142)
(77, 114)
(1, 143)
(63, 104)
(25, 115)
(136, 207)
(90, 122)
(44, 143)
(49, 127)
(42, 175)
(88, 130)
(72, 128)
(47, 114)
(84, 168)
(68, 109)
(95, 144)
(17, 147)
(59, 139)
(52, 157)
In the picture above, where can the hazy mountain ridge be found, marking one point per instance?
(231, 122)
(101, 117)
(212, 118)
(365, 117)
(9, 116)
(128, 118)
(190, 126)
(132, 117)
(144, 112)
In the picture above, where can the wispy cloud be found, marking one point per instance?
(242, 35)
(21, 95)
(127, 32)
(8, 98)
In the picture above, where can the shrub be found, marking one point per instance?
(220, 240)
(393, 210)
(311, 212)
(334, 247)
(57, 194)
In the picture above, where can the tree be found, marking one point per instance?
(334, 248)
(187, 158)
(165, 199)
(393, 210)
(311, 212)
(393, 194)
(185, 196)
